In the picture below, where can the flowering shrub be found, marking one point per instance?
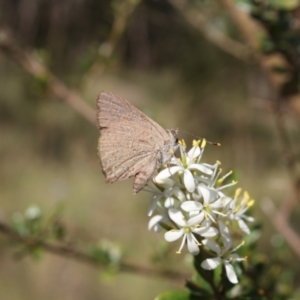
(190, 203)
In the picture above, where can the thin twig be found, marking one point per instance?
(122, 13)
(78, 255)
(34, 66)
(281, 225)
(199, 21)
(289, 156)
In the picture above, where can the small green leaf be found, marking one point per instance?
(106, 253)
(36, 253)
(59, 230)
(19, 225)
(252, 238)
(197, 289)
(174, 295)
(207, 275)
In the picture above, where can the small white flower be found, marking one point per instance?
(187, 228)
(212, 203)
(184, 166)
(223, 256)
(237, 209)
(168, 195)
(32, 212)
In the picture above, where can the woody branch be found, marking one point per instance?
(70, 252)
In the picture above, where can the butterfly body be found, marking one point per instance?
(131, 144)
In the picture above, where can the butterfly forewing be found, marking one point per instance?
(114, 111)
(131, 144)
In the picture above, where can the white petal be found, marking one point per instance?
(194, 152)
(225, 200)
(230, 273)
(173, 235)
(152, 205)
(248, 218)
(168, 192)
(154, 220)
(169, 202)
(188, 180)
(212, 245)
(179, 194)
(175, 161)
(223, 228)
(206, 222)
(243, 226)
(192, 245)
(157, 228)
(177, 217)
(196, 219)
(193, 213)
(201, 168)
(211, 263)
(164, 182)
(206, 231)
(217, 203)
(191, 205)
(195, 195)
(232, 204)
(226, 238)
(209, 195)
(165, 173)
(203, 180)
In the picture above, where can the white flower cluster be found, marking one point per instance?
(189, 202)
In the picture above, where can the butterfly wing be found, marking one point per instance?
(122, 157)
(130, 141)
(114, 111)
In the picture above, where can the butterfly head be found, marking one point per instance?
(173, 138)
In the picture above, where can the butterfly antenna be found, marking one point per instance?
(209, 142)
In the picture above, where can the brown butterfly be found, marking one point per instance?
(131, 144)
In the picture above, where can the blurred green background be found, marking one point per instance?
(165, 67)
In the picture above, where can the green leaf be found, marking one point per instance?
(59, 230)
(36, 253)
(174, 295)
(19, 225)
(207, 275)
(197, 290)
(199, 281)
(285, 4)
(252, 238)
(107, 253)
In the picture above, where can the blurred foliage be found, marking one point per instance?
(35, 232)
(281, 20)
(261, 277)
(48, 152)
